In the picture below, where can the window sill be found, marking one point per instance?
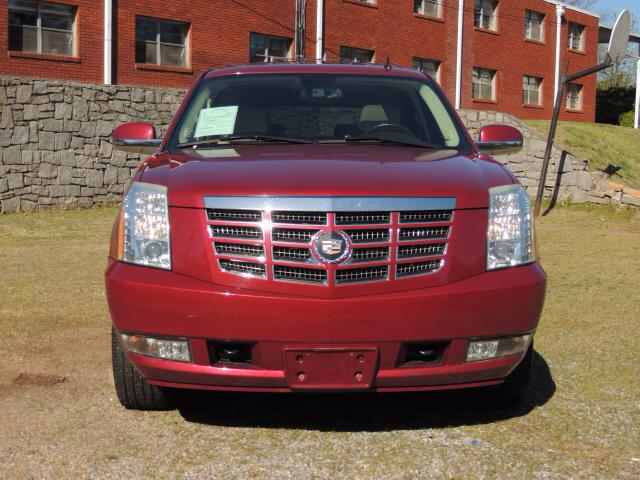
(571, 110)
(535, 42)
(487, 102)
(44, 56)
(362, 4)
(163, 68)
(577, 52)
(533, 107)
(428, 17)
(486, 30)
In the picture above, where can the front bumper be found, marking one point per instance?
(494, 304)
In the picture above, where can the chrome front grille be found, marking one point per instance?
(251, 238)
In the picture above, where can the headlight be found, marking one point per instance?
(510, 232)
(145, 226)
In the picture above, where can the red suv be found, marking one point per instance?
(320, 227)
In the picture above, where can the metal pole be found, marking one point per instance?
(319, 30)
(459, 67)
(547, 153)
(637, 117)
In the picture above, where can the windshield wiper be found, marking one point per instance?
(232, 139)
(409, 143)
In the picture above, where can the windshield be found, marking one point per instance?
(317, 108)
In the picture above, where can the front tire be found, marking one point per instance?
(134, 392)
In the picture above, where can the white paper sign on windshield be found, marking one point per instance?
(216, 121)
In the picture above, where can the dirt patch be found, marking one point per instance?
(39, 379)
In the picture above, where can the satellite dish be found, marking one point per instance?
(619, 38)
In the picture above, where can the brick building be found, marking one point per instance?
(502, 55)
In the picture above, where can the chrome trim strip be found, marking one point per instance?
(331, 204)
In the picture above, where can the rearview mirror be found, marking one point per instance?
(500, 140)
(136, 137)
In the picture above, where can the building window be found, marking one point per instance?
(531, 90)
(534, 26)
(430, 67)
(268, 48)
(484, 84)
(355, 55)
(576, 37)
(428, 8)
(161, 42)
(39, 27)
(486, 13)
(574, 96)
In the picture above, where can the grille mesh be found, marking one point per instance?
(358, 218)
(303, 218)
(248, 268)
(235, 215)
(418, 268)
(239, 249)
(236, 232)
(292, 254)
(291, 235)
(425, 217)
(366, 274)
(282, 272)
(368, 236)
(408, 251)
(370, 254)
(424, 233)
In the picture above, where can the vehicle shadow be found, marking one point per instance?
(361, 411)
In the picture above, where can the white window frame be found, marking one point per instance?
(419, 61)
(159, 44)
(486, 9)
(574, 97)
(420, 8)
(529, 17)
(268, 58)
(576, 34)
(477, 71)
(344, 59)
(529, 81)
(39, 28)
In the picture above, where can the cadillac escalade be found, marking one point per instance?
(321, 228)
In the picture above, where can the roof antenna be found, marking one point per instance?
(387, 65)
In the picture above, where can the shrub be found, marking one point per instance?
(627, 119)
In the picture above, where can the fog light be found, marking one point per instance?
(167, 349)
(501, 347)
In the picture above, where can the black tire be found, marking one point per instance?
(134, 392)
(516, 385)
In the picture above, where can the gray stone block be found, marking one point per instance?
(15, 180)
(11, 205)
(80, 109)
(23, 93)
(47, 170)
(47, 141)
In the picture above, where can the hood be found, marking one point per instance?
(324, 170)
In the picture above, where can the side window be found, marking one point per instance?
(161, 42)
(41, 27)
(268, 48)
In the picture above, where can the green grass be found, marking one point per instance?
(54, 320)
(601, 145)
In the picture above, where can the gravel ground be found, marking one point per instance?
(61, 419)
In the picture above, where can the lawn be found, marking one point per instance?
(581, 419)
(601, 145)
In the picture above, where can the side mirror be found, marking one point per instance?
(500, 140)
(136, 137)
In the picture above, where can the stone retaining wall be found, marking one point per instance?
(55, 148)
